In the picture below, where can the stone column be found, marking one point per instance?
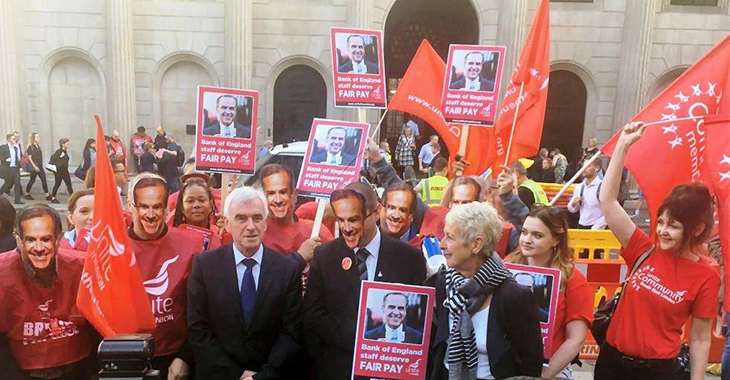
(634, 60)
(9, 86)
(363, 13)
(511, 32)
(239, 43)
(122, 105)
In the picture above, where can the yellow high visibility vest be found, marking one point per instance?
(433, 190)
(537, 192)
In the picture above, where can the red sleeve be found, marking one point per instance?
(706, 302)
(639, 243)
(307, 211)
(578, 299)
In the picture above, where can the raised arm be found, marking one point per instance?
(616, 217)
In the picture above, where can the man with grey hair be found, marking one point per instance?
(244, 300)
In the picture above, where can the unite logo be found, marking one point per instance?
(413, 368)
(158, 285)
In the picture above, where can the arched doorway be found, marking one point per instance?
(300, 95)
(663, 82)
(442, 23)
(565, 115)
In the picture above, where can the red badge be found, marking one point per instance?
(346, 263)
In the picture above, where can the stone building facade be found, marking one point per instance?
(138, 62)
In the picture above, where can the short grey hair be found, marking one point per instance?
(245, 194)
(477, 219)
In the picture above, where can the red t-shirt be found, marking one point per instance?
(659, 298)
(209, 238)
(574, 303)
(308, 211)
(165, 266)
(43, 326)
(286, 239)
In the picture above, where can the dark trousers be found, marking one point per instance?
(62, 176)
(40, 174)
(613, 365)
(12, 179)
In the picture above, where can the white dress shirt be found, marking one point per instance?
(228, 131)
(241, 267)
(472, 84)
(590, 208)
(337, 157)
(359, 67)
(400, 335)
(372, 261)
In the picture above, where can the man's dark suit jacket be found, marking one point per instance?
(330, 307)
(412, 335)
(371, 68)
(321, 158)
(241, 130)
(224, 346)
(5, 169)
(484, 84)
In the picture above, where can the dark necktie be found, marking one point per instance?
(248, 290)
(362, 267)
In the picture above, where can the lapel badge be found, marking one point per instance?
(380, 274)
(346, 263)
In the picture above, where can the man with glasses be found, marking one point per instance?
(164, 257)
(362, 252)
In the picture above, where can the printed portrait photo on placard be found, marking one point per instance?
(227, 115)
(541, 286)
(394, 316)
(357, 53)
(473, 70)
(336, 145)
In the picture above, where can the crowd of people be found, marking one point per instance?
(241, 290)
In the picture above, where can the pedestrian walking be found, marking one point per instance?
(60, 160)
(35, 165)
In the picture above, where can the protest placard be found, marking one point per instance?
(226, 130)
(358, 68)
(545, 285)
(393, 331)
(334, 157)
(471, 84)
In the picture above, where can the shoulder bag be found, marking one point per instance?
(602, 316)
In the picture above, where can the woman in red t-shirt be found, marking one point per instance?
(195, 212)
(673, 284)
(544, 243)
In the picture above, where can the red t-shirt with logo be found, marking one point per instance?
(574, 303)
(165, 265)
(43, 326)
(659, 298)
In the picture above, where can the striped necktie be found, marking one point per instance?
(362, 267)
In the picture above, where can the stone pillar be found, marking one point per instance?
(363, 14)
(511, 32)
(239, 43)
(9, 87)
(122, 105)
(634, 60)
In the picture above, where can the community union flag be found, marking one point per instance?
(111, 295)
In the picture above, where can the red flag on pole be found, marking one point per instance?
(532, 72)
(671, 153)
(419, 94)
(111, 295)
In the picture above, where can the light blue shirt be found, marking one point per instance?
(426, 155)
(241, 267)
(13, 155)
(372, 261)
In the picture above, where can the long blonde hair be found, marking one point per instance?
(560, 258)
(31, 138)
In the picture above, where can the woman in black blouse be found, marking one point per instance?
(35, 165)
(60, 159)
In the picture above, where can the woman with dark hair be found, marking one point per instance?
(89, 156)
(60, 159)
(486, 326)
(544, 243)
(195, 211)
(7, 218)
(80, 220)
(35, 159)
(673, 283)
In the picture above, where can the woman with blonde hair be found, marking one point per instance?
(544, 243)
(35, 160)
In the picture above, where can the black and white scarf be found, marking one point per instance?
(465, 296)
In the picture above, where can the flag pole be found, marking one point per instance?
(514, 121)
(377, 127)
(575, 177)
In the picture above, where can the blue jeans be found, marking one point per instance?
(726, 352)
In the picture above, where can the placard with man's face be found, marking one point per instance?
(358, 68)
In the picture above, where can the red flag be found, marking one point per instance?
(419, 93)
(670, 153)
(532, 73)
(111, 295)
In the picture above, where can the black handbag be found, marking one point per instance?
(602, 316)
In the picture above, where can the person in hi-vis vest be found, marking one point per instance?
(528, 190)
(432, 188)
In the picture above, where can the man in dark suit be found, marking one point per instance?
(10, 155)
(334, 155)
(357, 62)
(472, 80)
(362, 253)
(225, 107)
(393, 329)
(244, 300)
